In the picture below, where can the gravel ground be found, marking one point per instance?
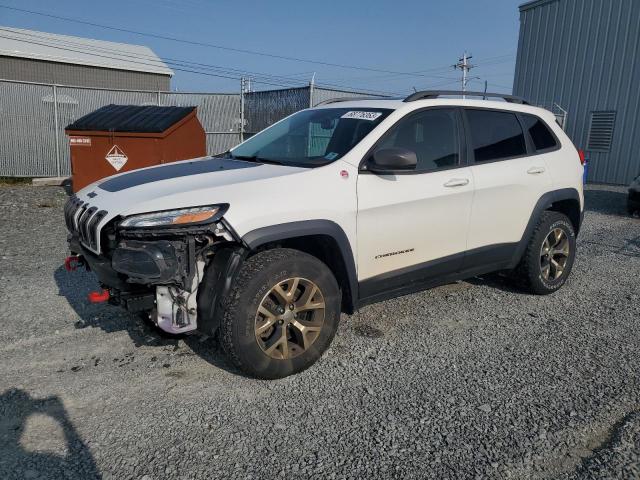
(470, 380)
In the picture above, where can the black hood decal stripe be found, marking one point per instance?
(173, 170)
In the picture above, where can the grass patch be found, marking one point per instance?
(15, 180)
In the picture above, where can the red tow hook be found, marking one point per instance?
(72, 263)
(99, 297)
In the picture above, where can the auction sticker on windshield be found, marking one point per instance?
(362, 115)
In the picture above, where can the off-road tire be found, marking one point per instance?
(528, 274)
(258, 275)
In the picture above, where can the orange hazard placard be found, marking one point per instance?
(116, 157)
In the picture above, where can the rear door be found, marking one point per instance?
(509, 179)
(413, 225)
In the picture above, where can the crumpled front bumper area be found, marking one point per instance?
(179, 276)
(140, 262)
(159, 261)
(135, 267)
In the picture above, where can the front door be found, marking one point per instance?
(412, 226)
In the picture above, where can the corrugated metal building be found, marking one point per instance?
(584, 56)
(41, 57)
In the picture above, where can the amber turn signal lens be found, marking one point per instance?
(194, 217)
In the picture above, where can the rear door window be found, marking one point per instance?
(540, 134)
(495, 135)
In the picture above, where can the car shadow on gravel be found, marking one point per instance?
(75, 287)
(36, 432)
(498, 281)
(607, 202)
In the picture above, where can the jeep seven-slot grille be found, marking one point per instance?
(70, 212)
(83, 220)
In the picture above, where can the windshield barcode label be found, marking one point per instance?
(362, 115)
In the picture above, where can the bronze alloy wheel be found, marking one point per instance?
(290, 318)
(554, 254)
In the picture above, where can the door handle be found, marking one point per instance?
(457, 182)
(535, 170)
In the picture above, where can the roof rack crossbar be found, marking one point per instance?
(431, 94)
(349, 99)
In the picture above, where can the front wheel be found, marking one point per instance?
(281, 315)
(548, 259)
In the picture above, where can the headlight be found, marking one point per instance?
(170, 218)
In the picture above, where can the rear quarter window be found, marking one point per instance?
(539, 132)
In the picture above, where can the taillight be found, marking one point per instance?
(582, 156)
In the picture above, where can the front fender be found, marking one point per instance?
(292, 230)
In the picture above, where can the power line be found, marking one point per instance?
(204, 44)
(496, 60)
(179, 65)
(389, 73)
(482, 62)
(134, 62)
(61, 44)
(496, 84)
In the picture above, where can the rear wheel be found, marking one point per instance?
(282, 313)
(548, 259)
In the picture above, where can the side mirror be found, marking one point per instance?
(391, 159)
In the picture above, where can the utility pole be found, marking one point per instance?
(242, 92)
(312, 86)
(464, 65)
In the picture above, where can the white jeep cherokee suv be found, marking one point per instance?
(330, 209)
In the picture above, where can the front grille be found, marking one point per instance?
(83, 220)
(83, 225)
(71, 210)
(92, 228)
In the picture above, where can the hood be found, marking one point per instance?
(258, 194)
(191, 183)
(176, 185)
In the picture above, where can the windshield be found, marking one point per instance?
(311, 138)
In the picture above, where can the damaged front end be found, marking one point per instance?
(172, 265)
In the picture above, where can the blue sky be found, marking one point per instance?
(425, 36)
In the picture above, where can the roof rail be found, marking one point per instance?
(430, 94)
(349, 99)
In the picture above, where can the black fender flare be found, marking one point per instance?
(543, 203)
(284, 231)
(215, 287)
(221, 273)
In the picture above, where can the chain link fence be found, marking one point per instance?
(267, 107)
(33, 118)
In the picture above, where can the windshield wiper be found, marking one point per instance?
(255, 158)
